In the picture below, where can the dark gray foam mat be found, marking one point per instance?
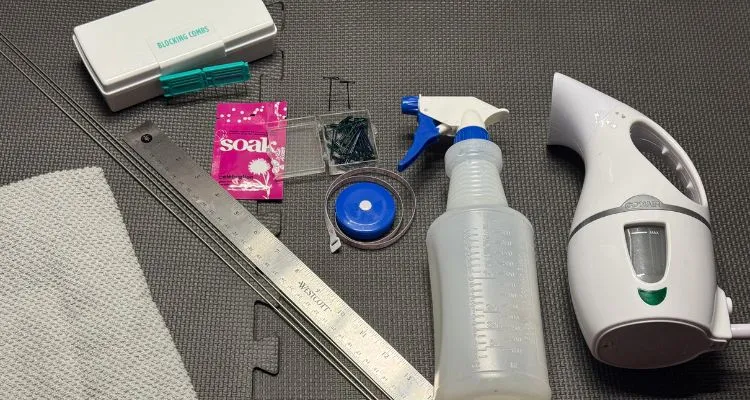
(684, 64)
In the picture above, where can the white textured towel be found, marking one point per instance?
(76, 317)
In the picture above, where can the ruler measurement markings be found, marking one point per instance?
(314, 298)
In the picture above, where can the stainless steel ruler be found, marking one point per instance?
(372, 354)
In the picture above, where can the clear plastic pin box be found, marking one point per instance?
(336, 142)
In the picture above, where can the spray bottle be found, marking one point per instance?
(487, 319)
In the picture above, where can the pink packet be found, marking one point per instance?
(245, 162)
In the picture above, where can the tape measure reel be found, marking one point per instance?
(365, 211)
(370, 212)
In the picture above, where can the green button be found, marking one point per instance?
(653, 297)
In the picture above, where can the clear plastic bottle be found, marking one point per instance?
(488, 326)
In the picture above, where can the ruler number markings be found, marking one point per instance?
(377, 359)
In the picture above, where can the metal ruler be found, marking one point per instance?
(372, 354)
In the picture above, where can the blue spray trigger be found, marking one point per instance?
(426, 134)
(410, 105)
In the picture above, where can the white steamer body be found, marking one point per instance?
(640, 255)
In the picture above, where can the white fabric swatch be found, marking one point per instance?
(76, 317)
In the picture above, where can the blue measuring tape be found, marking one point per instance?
(370, 213)
(365, 211)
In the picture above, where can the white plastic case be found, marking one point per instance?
(127, 52)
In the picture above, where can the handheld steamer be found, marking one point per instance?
(640, 257)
